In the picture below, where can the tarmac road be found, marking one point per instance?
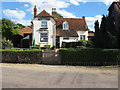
(45, 76)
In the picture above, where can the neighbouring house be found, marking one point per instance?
(114, 12)
(49, 30)
(90, 35)
(26, 33)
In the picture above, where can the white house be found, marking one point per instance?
(49, 30)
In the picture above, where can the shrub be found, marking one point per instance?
(39, 46)
(89, 56)
(48, 46)
(21, 56)
(6, 44)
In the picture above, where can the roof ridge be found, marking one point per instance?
(44, 13)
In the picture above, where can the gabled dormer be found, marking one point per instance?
(65, 25)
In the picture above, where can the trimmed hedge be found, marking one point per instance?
(22, 56)
(90, 56)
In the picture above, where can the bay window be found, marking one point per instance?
(43, 37)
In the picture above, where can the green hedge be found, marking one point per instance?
(21, 56)
(90, 56)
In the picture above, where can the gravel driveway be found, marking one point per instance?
(48, 76)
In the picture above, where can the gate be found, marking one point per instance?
(51, 57)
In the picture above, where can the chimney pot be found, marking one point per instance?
(35, 11)
(54, 12)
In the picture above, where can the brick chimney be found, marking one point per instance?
(54, 12)
(83, 17)
(35, 11)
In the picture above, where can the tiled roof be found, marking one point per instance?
(90, 34)
(66, 33)
(117, 5)
(74, 23)
(27, 29)
(44, 14)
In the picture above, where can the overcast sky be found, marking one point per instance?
(21, 11)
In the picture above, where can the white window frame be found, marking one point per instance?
(65, 25)
(43, 37)
(44, 24)
(82, 37)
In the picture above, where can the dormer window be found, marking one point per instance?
(43, 24)
(65, 25)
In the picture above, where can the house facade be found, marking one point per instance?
(50, 30)
(114, 12)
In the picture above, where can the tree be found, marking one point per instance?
(59, 16)
(8, 30)
(20, 26)
(105, 36)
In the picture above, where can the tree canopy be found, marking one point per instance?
(59, 16)
(105, 34)
(10, 31)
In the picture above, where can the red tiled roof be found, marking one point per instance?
(66, 33)
(44, 14)
(27, 29)
(116, 4)
(74, 23)
(90, 34)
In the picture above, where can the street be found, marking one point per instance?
(48, 76)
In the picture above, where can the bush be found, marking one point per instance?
(48, 46)
(22, 56)
(39, 46)
(89, 56)
(6, 44)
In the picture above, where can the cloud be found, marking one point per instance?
(66, 14)
(91, 20)
(14, 13)
(26, 5)
(21, 21)
(74, 2)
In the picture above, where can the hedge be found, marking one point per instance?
(22, 56)
(90, 56)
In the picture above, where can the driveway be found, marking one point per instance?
(46, 76)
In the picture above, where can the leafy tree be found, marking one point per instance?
(105, 35)
(59, 16)
(20, 26)
(96, 39)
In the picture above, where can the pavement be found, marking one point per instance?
(49, 76)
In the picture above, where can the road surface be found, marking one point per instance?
(45, 76)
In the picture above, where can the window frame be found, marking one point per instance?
(65, 25)
(66, 38)
(44, 24)
(44, 37)
(82, 37)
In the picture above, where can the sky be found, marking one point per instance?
(21, 11)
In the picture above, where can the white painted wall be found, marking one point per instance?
(83, 33)
(71, 39)
(74, 39)
(51, 31)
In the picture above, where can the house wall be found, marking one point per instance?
(83, 33)
(51, 31)
(74, 39)
(71, 39)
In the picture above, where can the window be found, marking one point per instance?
(43, 37)
(65, 25)
(65, 38)
(43, 24)
(82, 37)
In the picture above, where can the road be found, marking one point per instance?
(45, 76)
